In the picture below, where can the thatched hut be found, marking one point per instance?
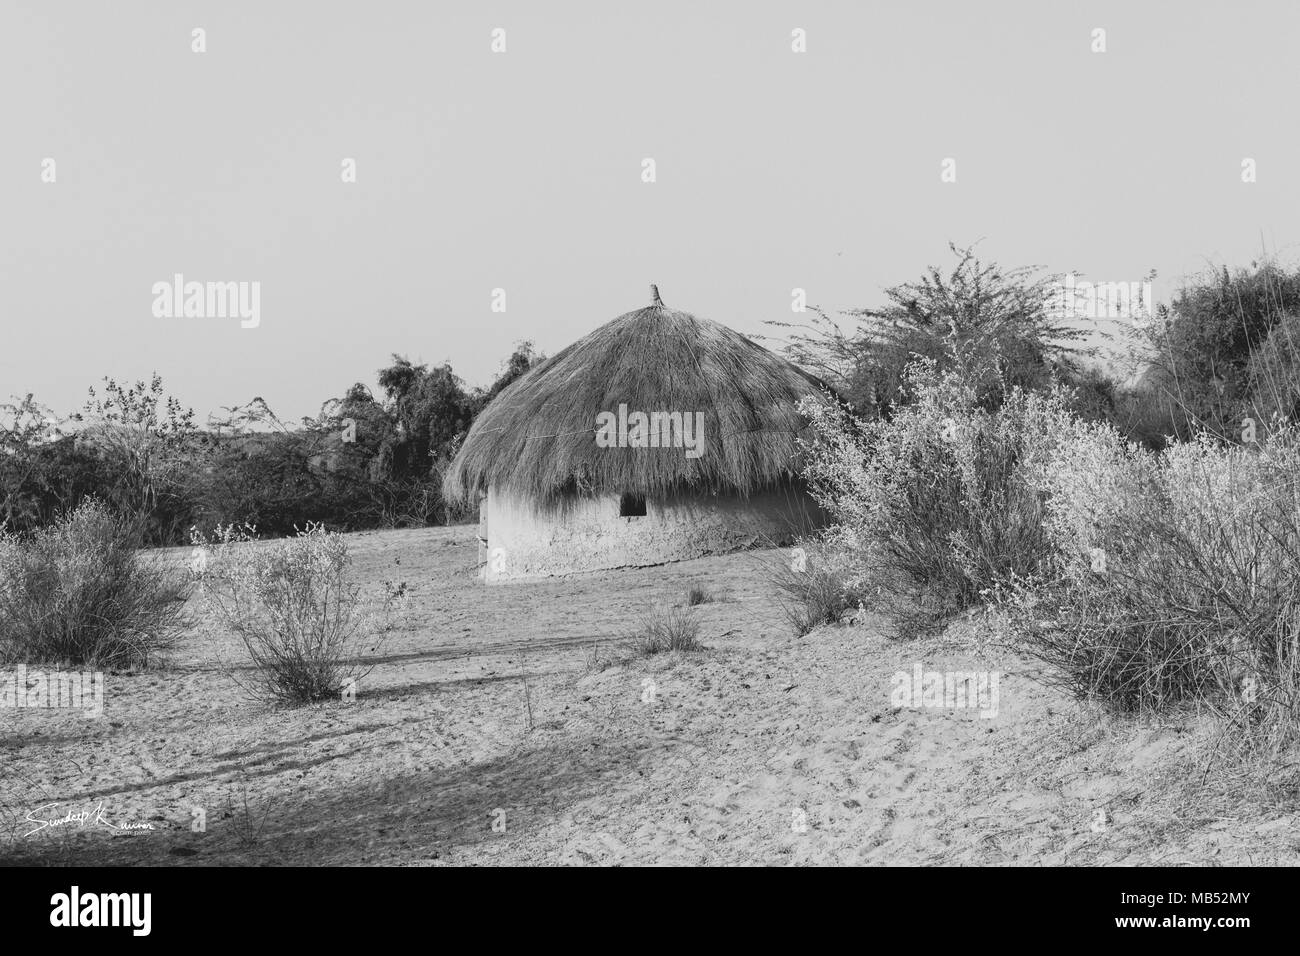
(658, 437)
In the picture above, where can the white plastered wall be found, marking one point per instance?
(525, 540)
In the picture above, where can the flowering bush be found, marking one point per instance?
(1176, 576)
(294, 604)
(932, 505)
(1142, 578)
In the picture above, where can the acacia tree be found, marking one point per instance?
(997, 327)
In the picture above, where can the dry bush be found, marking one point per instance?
(79, 593)
(1178, 577)
(294, 605)
(931, 507)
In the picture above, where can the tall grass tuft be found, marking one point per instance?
(79, 593)
(698, 594)
(811, 588)
(671, 629)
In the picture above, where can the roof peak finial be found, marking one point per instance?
(654, 292)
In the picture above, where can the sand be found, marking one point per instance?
(765, 748)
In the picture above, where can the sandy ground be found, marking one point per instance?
(762, 749)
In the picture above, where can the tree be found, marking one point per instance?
(432, 409)
(262, 472)
(30, 425)
(996, 327)
(1273, 373)
(523, 358)
(1224, 349)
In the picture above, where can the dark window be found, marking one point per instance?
(631, 506)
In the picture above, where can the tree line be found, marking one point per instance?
(364, 461)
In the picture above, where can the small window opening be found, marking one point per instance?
(631, 506)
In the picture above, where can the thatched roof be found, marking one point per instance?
(537, 439)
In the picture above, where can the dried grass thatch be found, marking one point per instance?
(537, 439)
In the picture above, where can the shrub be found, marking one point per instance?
(674, 629)
(1177, 576)
(932, 506)
(78, 593)
(294, 605)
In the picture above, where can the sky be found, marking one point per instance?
(523, 170)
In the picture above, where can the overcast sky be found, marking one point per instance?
(523, 170)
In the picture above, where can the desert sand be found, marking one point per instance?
(507, 725)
